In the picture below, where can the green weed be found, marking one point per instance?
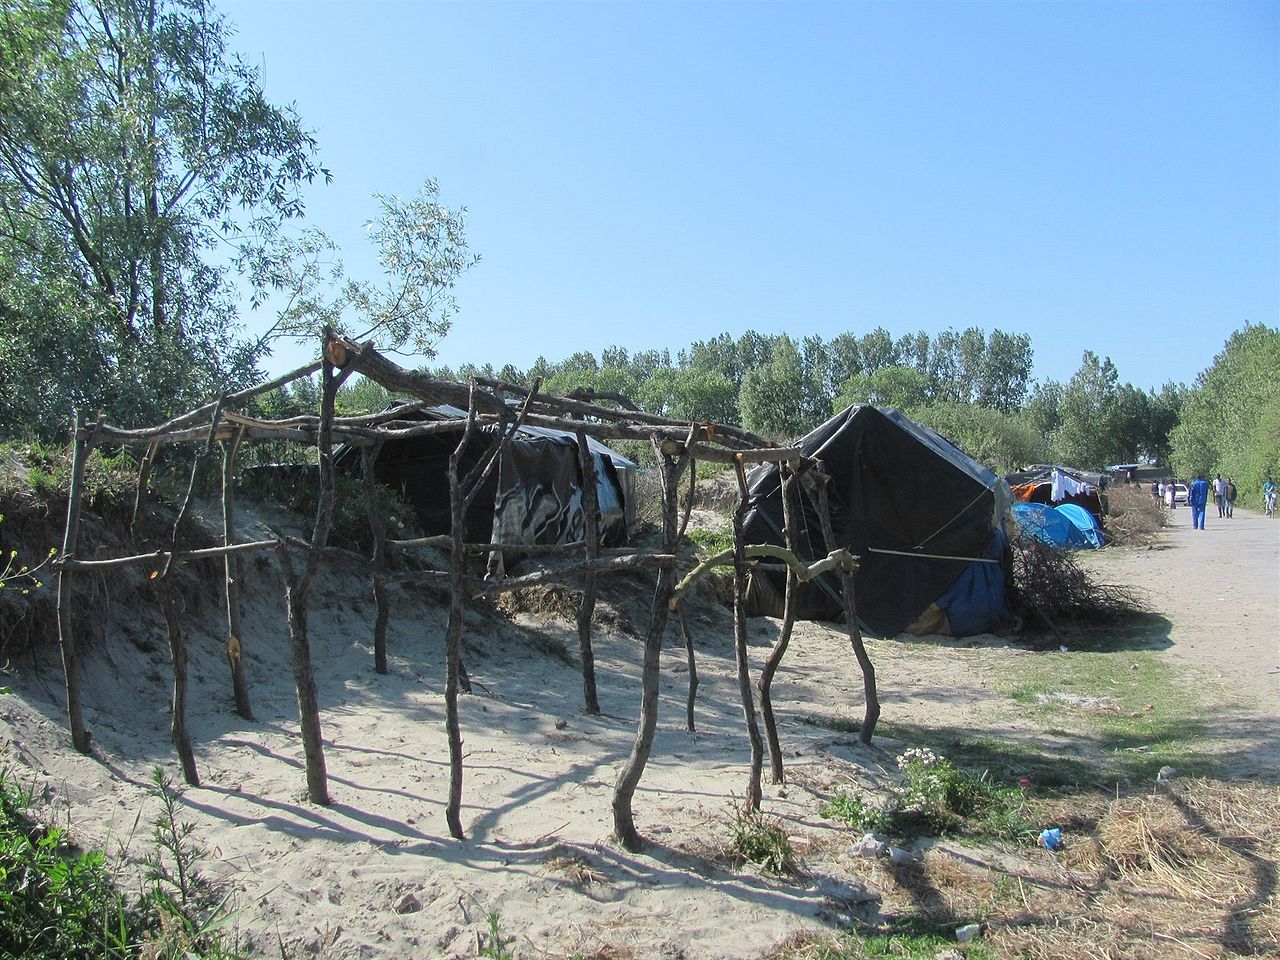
(855, 812)
(760, 840)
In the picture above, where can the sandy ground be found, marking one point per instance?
(376, 875)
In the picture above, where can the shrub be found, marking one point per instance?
(757, 838)
(937, 797)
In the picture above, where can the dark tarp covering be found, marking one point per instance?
(534, 496)
(895, 485)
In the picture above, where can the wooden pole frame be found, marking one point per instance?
(677, 445)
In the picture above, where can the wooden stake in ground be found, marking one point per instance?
(692, 665)
(872, 713)
(168, 603)
(298, 589)
(779, 650)
(624, 827)
(591, 518)
(369, 457)
(66, 632)
(235, 635)
(753, 796)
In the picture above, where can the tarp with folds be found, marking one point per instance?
(533, 497)
(1067, 526)
(919, 513)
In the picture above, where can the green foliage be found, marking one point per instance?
(771, 399)
(55, 903)
(711, 542)
(497, 947)
(1000, 441)
(134, 144)
(904, 388)
(756, 838)
(855, 812)
(902, 937)
(936, 797)
(1230, 420)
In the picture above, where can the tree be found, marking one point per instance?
(1043, 413)
(1228, 421)
(137, 156)
(904, 388)
(999, 441)
(771, 400)
(1088, 434)
(693, 395)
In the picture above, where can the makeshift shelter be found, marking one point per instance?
(1054, 485)
(926, 521)
(535, 495)
(1068, 526)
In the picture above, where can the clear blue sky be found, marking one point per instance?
(1101, 176)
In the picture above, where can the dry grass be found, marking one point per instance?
(1187, 872)
(1133, 516)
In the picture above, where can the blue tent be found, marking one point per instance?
(1058, 526)
(1084, 521)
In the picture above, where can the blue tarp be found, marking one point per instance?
(975, 601)
(1061, 526)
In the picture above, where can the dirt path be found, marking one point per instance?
(1220, 588)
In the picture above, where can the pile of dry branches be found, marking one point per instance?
(1050, 589)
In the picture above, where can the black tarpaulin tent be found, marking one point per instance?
(926, 521)
(534, 497)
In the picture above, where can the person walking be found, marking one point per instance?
(1220, 494)
(1269, 496)
(1231, 498)
(1197, 500)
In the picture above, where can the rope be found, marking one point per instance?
(932, 556)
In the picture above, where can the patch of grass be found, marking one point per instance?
(937, 798)
(711, 542)
(1148, 710)
(855, 812)
(904, 937)
(761, 840)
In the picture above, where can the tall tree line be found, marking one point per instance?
(973, 387)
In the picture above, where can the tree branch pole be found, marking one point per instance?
(586, 609)
(235, 635)
(839, 559)
(770, 668)
(298, 589)
(751, 801)
(692, 665)
(624, 827)
(368, 458)
(144, 474)
(169, 604)
(453, 634)
(81, 446)
(872, 714)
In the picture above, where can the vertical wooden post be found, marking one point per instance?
(144, 474)
(377, 525)
(178, 717)
(80, 447)
(168, 604)
(751, 802)
(453, 633)
(586, 610)
(771, 665)
(298, 589)
(872, 713)
(235, 638)
(692, 665)
(624, 790)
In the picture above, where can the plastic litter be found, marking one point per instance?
(968, 932)
(1051, 839)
